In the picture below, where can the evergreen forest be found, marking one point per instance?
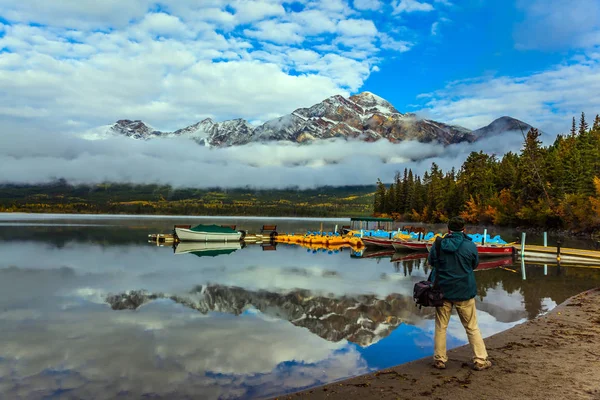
(556, 186)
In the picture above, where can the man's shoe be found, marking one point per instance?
(480, 366)
(439, 364)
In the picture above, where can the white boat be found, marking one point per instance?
(210, 249)
(208, 233)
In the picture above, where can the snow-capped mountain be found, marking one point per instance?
(364, 116)
(363, 319)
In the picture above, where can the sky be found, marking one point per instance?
(74, 65)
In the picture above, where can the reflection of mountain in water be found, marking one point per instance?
(363, 319)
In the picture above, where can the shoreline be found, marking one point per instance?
(554, 356)
(535, 230)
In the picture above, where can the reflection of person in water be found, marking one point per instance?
(453, 271)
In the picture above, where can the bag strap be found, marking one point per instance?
(438, 252)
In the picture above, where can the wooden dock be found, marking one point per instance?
(574, 256)
(162, 238)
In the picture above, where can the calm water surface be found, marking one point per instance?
(89, 309)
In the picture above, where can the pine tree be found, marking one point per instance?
(583, 126)
(410, 192)
(390, 200)
(398, 200)
(530, 173)
(573, 128)
(379, 201)
(596, 126)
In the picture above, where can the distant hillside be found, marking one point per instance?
(61, 197)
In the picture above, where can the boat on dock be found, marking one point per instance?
(207, 233)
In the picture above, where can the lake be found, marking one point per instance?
(90, 309)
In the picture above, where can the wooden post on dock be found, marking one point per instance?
(523, 274)
(558, 243)
(545, 245)
(484, 235)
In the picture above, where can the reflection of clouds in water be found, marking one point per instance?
(164, 348)
(117, 269)
(500, 297)
(547, 305)
(52, 321)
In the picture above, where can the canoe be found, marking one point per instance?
(489, 249)
(409, 245)
(208, 233)
(377, 242)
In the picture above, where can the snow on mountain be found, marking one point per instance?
(134, 129)
(364, 116)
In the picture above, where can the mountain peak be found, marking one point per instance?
(133, 128)
(501, 125)
(373, 103)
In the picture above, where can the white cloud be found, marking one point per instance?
(357, 27)
(408, 6)
(277, 32)
(314, 22)
(561, 24)
(162, 24)
(89, 65)
(547, 99)
(75, 13)
(367, 4)
(388, 42)
(435, 28)
(251, 10)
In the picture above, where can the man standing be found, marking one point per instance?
(453, 272)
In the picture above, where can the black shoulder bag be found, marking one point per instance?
(426, 293)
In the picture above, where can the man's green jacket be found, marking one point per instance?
(454, 269)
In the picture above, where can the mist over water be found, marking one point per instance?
(28, 157)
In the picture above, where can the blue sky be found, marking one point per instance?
(74, 65)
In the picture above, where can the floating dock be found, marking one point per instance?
(575, 256)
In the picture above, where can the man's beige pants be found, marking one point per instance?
(467, 314)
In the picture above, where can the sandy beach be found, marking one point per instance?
(556, 356)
